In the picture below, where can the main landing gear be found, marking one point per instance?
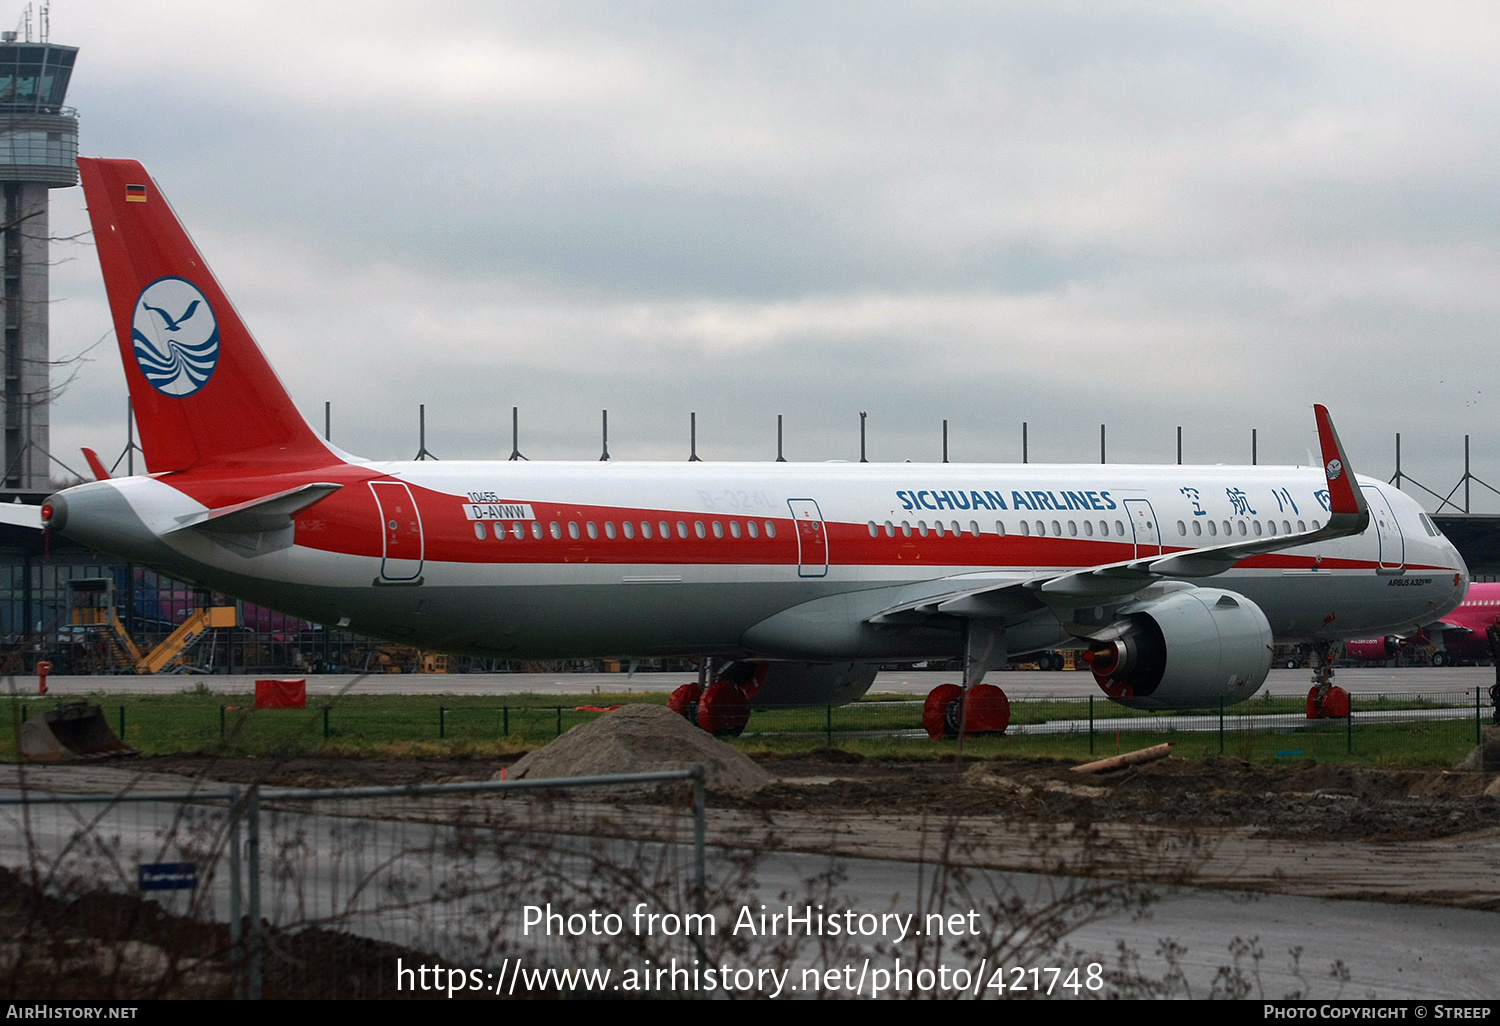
(723, 707)
(952, 711)
(1325, 700)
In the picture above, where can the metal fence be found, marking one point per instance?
(1267, 725)
(294, 892)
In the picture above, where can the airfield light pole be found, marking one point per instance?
(1101, 443)
(945, 440)
(862, 416)
(779, 458)
(327, 421)
(604, 456)
(422, 453)
(515, 433)
(693, 438)
(1179, 445)
(1254, 454)
(1023, 441)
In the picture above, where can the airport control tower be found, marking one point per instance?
(38, 152)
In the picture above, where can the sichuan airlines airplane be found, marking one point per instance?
(796, 579)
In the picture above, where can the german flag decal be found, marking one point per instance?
(135, 194)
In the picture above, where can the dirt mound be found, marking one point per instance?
(1487, 755)
(642, 739)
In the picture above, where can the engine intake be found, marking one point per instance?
(1184, 650)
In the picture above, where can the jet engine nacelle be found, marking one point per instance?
(1184, 650)
(772, 685)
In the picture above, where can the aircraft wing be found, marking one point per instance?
(1349, 515)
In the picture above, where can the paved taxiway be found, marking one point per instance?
(1019, 684)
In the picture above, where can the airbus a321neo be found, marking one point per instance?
(1173, 582)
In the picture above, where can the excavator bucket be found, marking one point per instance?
(72, 731)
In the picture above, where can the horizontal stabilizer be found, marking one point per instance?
(269, 513)
(19, 515)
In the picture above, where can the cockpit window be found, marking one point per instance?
(1430, 527)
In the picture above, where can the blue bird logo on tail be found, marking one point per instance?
(176, 354)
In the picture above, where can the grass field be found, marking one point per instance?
(434, 726)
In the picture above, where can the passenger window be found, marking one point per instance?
(1228, 529)
(1120, 528)
(874, 531)
(938, 528)
(1256, 525)
(556, 529)
(518, 530)
(1242, 527)
(629, 528)
(573, 529)
(734, 529)
(1197, 529)
(645, 529)
(890, 529)
(664, 529)
(681, 529)
(536, 529)
(1073, 528)
(1286, 527)
(479, 529)
(1301, 526)
(609, 530)
(999, 528)
(1041, 529)
(1271, 528)
(1088, 528)
(698, 529)
(754, 530)
(592, 528)
(1104, 528)
(718, 529)
(1056, 529)
(1213, 529)
(1025, 529)
(974, 528)
(906, 528)
(1182, 528)
(922, 528)
(1315, 526)
(770, 529)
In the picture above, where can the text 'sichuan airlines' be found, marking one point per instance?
(796, 579)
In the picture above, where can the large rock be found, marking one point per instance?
(642, 739)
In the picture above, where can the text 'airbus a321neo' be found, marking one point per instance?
(795, 579)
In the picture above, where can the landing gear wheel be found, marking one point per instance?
(936, 719)
(684, 701)
(1333, 705)
(724, 709)
(986, 710)
(1440, 659)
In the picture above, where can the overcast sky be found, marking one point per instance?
(1145, 215)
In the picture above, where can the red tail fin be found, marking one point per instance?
(202, 390)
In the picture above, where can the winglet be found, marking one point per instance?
(1343, 494)
(100, 474)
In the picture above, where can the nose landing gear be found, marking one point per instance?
(1325, 700)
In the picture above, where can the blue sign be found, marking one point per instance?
(167, 876)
